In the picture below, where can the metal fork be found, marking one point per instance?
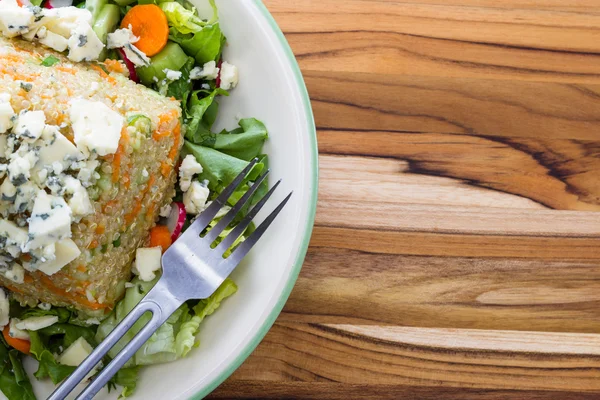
(191, 270)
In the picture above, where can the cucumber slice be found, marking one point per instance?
(107, 21)
(124, 3)
(141, 123)
(171, 57)
(95, 6)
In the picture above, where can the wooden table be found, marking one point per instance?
(456, 252)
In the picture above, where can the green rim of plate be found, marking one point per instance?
(212, 385)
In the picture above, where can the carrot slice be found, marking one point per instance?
(22, 345)
(149, 23)
(160, 236)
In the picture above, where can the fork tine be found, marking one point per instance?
(209, 214)
(241, 227)
(238, 254)
(226, 220)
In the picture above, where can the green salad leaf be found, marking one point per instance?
(14, 382)
(50, 61)
(245, 142)
(182, 87)
(220, 169)
(53, 340)
(207, 10)
(185, 21)
(48, 365)
(63, 314)
(205, 45)
(127, 379)
(69, 333)
(206, 307)
(173, 340)
(201, 114)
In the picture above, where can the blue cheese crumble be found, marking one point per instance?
(58, 28)
(44, 180)
(96, 127)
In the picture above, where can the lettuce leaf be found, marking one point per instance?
(182, 87)
(201, 114)
(48, 365)
(63, 314)
(206, 307)
(205, 45)
(201, 39)
(245, 142)
(14, 382)
(127, 379)
(185, 21)
(220, 169)
(207, 10)
(66, 334)
(173, 340)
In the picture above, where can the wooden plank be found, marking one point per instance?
(344, 287)
(559, 169)
(379, 194)
(422, 357)
(456, 38)
(410, 173)
(586, 6)
(509, 109)
(455, 245)
(250, 389)
(451, 219)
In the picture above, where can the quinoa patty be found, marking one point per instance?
(130, 187)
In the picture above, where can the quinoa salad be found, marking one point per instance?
(107, 154)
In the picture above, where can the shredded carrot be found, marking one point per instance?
(165, 125)
(165, 168)
(177, 141)
(150, 212)
(93, 244)
(159, 134)
(100, 229)
(134, 213)
(160, 236)
(81, 268)
(104, 74)
(22, 345)
(13, 288)
(12, 58)
(114, 66)
(68, 70)
(110, 203)
(138, 202)
(126, 180)
(149, 23)
(81, 300)
(116, 164)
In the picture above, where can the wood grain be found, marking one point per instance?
(456, 251)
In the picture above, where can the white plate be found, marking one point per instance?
(271, 89)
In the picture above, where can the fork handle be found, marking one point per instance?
(160, 303)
